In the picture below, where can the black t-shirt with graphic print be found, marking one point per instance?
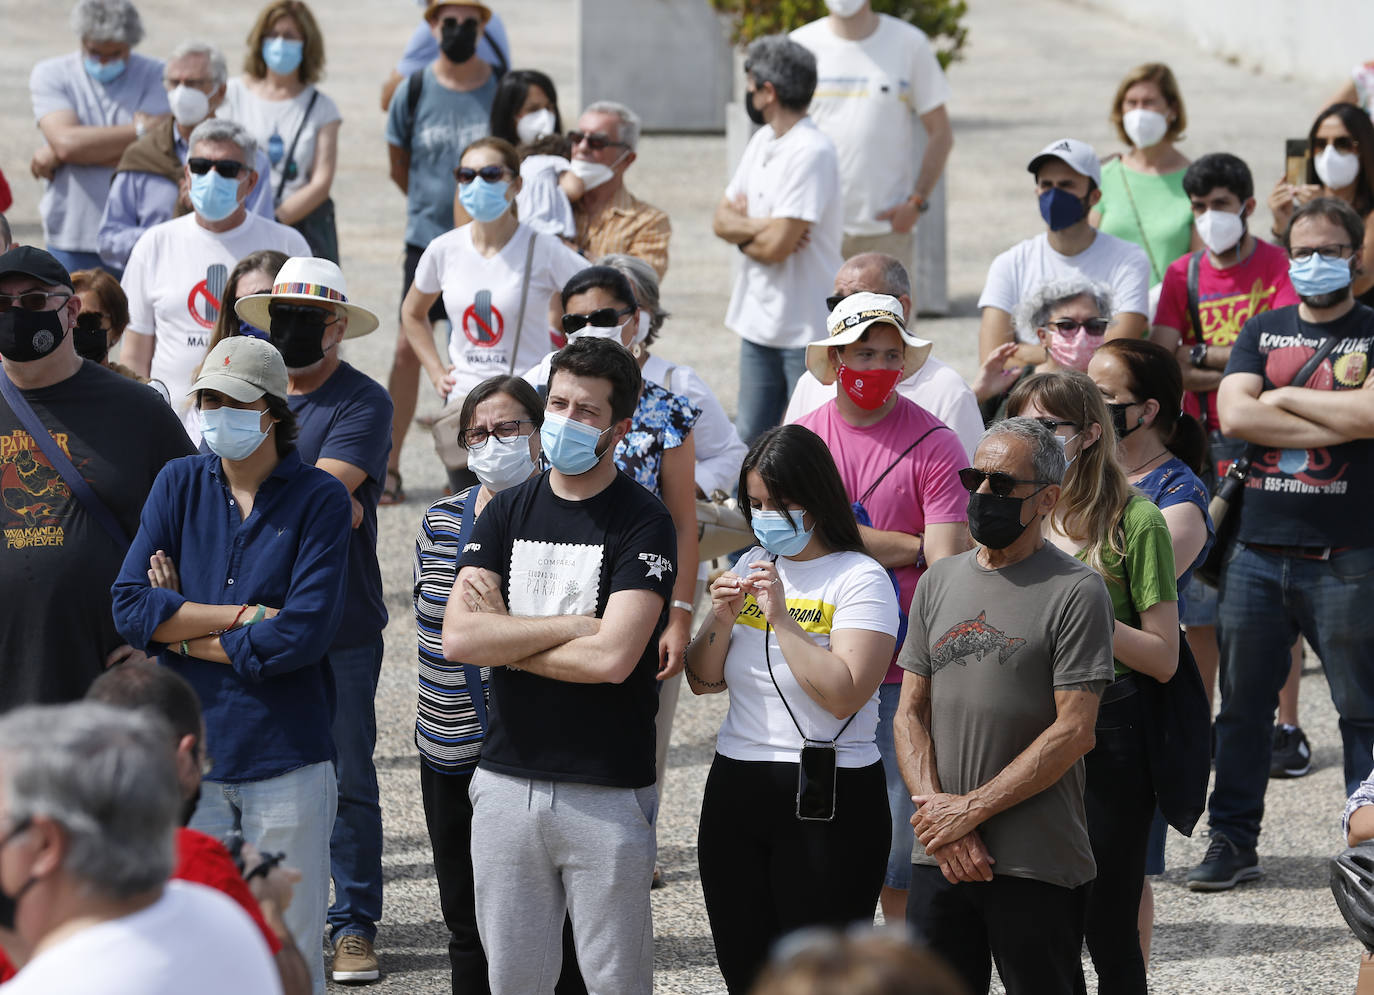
(560, 557)
(1308, 497)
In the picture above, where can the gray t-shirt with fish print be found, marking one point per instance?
(995, 645)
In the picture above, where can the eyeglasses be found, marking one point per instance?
(505, 431)
(466, 174)
(32, 300)
(1067, 326)
(595, 140)
(228, 168)
(606, 317)
(1001, 484)
(1342, 144)
(1053, 424)
(171, 83)
(1301, 252)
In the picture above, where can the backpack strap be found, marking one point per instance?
(413, 87)
(1194, 267)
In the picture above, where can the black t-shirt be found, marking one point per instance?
(56, 562)
(1308, 497)
(560, 557)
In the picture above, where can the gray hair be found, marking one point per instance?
(107, 776)
(644, 281)
(1047, 452)
(892, 275)
(107, 20)
(218, 129)
(6, 235)
(790, 67)
(628, 132)
(1035, 308)
(219, 70)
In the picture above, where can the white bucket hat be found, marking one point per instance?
(310, 280)
(851, 318)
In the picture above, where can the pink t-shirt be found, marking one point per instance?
(923, 490)
(1226, 300)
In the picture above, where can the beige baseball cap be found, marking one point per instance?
(244, 368)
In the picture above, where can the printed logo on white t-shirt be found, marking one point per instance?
(554, 578)
(483, 323)
(203, 302)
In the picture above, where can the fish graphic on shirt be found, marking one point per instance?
(974, 637)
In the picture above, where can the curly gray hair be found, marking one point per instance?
(107, 20)
(644, 281)
(218, 129)
(1036, 308)
(1047, 452)
(629, 120)
(790, 67)
(219, 70)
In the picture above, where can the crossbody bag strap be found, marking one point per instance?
(882, 476)
(768, 658)
(524, 296)
(291, 152)
(81, 490)
(1139, 223)
(1194, 269)
(472, 674)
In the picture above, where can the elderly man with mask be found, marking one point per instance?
(149, 185)
(177, 271)
(89, 105)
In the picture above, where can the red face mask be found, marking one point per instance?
(869, 389)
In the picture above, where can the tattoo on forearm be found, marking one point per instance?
(710, 639)
(696, 678)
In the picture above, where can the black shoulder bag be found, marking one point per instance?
(318, 226)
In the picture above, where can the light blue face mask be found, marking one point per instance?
(484, 201)
(105, 72)
(232, 433)
(778, 534)
(570, 446)
(1317, 275)
(282, 55)
(213, 196)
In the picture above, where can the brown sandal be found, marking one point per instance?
(392, 494)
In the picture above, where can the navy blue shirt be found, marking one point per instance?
(348, 418)
(269, 712)
(1171, 483)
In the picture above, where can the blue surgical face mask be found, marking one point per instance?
(1060, 209)
(232, 433)
(214, 197)
(1315, 275)
(780, 533)
(105, 72)
(484, 201)
(570, 446)
(282, 55)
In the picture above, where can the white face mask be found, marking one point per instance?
(1220, 231)
(189, 106)
(593, 174)
(499, 465)
(642, 331)
(535, 125)
(1337, 170)
(1144, 127)
(845, 8)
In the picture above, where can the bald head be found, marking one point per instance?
(876, 273)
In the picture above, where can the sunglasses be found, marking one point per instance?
(1053, 424)
(1001, 484)
(606, 317)
(1342, 144)
(595, 140)
(301, 314)
(33, 300)
(833, 301)
(466, 174)
(1067, 326)
(227, 168)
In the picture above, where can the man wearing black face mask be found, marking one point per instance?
(56, 560)
(343, 419)
(1014, 640)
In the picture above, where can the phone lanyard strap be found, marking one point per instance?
(768, 658)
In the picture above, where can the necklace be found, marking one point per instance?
(1133, 472)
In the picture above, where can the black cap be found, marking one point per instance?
(29, 261)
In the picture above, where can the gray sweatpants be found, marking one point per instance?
(540, 848)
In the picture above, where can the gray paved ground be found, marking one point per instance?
(1035, 70)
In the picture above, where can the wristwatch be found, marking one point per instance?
(922, 205)
(1197, 355)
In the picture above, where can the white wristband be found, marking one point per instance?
(684, 605)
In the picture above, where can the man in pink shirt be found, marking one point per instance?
(901, 464)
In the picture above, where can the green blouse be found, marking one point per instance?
(1159, 201)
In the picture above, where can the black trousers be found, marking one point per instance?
(765, 873)
(1031, 929)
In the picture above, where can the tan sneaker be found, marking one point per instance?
(354, 959)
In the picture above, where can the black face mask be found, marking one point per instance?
(995, 522)
(89, 337)
(298, 335)
(457, 41)
(29, 335)
(1118, 413)
(754, 113)
(9, 904)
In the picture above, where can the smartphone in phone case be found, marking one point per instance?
(1295, 161)
(816, 774)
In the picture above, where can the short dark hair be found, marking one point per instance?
(1357, 122)
(510, 97)
(517, 389)
(607, 278)
(1332, 209)
(602, 359)
(795, 465)
(147, 684)
(279, 409)
(1219, 169)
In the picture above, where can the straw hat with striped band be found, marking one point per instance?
(308, 280)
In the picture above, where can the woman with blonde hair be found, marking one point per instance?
(1120, 533)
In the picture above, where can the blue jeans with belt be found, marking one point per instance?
(1267, 600)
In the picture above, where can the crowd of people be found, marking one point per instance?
(1001, 608)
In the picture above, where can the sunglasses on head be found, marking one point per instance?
(227, 168)
(833, 301)
(1001, 484)
(466, 174)
(31, 300)
(1342, 144)
(606, 317)
(1067, 326)
(595, 140)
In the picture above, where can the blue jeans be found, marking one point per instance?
(291, 814)
(73, 261)
(766, 379)
(355, 848)
(898, 795)
(1267, 600)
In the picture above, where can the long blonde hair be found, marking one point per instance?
(1096, 490)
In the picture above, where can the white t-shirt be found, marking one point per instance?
(782, 305)
(869, 97)
(832, 592)
(541, 202)
(482, 298)
(174, 281)
(278, 119)
(192, 939)
(719, 449)
(1029, 265)
(935, 387)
